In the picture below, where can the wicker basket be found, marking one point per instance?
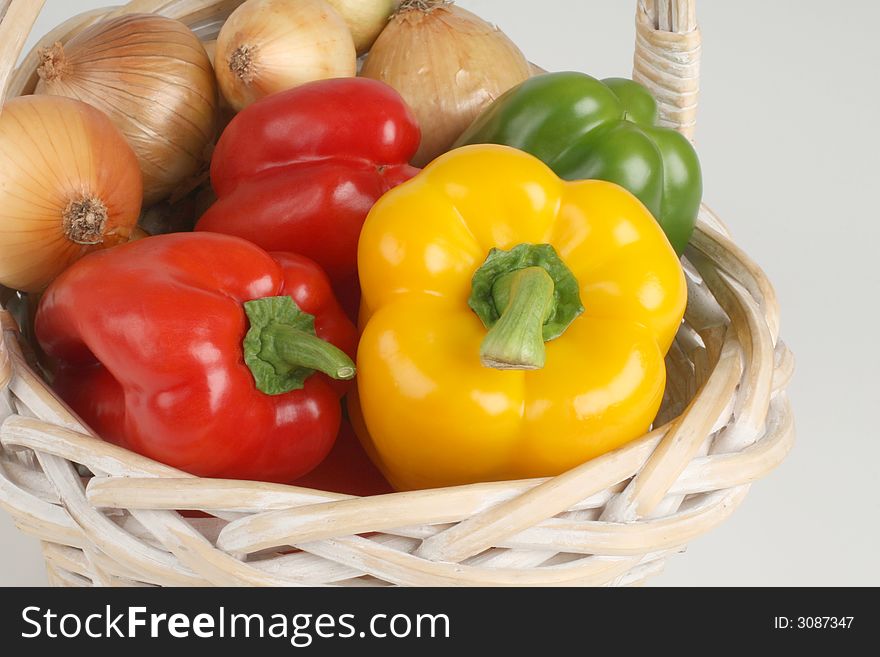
(106, 516)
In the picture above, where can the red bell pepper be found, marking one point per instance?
(300, 170)
(199, 350)
(347, 469)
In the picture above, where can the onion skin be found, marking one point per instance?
(69, 185)
(365, 19)
(152, 77)
(448, 65)
(267, 46)
(225, 112)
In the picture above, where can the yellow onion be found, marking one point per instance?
(448, 64)
(152, 77)
(225, 113)
(365, 19)
(69, 184)
(536, 70)
(268, 46)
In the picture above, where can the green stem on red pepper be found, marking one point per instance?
(282, 349)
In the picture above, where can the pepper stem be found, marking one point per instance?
(524, 296)
(282, 349)
(287, 348)
(524, 299)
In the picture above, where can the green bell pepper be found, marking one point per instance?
(586, 128)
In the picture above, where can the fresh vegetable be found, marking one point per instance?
(448, 64)
(152, 77)
(69, 184)
(200, 351)
(514, 325)
(607, 130)
(365, 19)
(268, 46)
(347, 469)
(298, 171)
(225, 111)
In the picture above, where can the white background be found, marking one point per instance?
(790, 148)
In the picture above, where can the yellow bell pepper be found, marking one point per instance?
(514, 324)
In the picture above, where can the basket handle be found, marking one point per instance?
(667, 59)
(16, 20)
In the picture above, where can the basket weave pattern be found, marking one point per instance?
(106, 516)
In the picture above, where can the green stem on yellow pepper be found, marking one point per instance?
(516, 341)
(525, 296)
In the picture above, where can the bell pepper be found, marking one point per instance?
(200, 351)
(516, 329)
(299, 170)
(606, 130)
(347, 469)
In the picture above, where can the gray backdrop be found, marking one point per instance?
(790, 148)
